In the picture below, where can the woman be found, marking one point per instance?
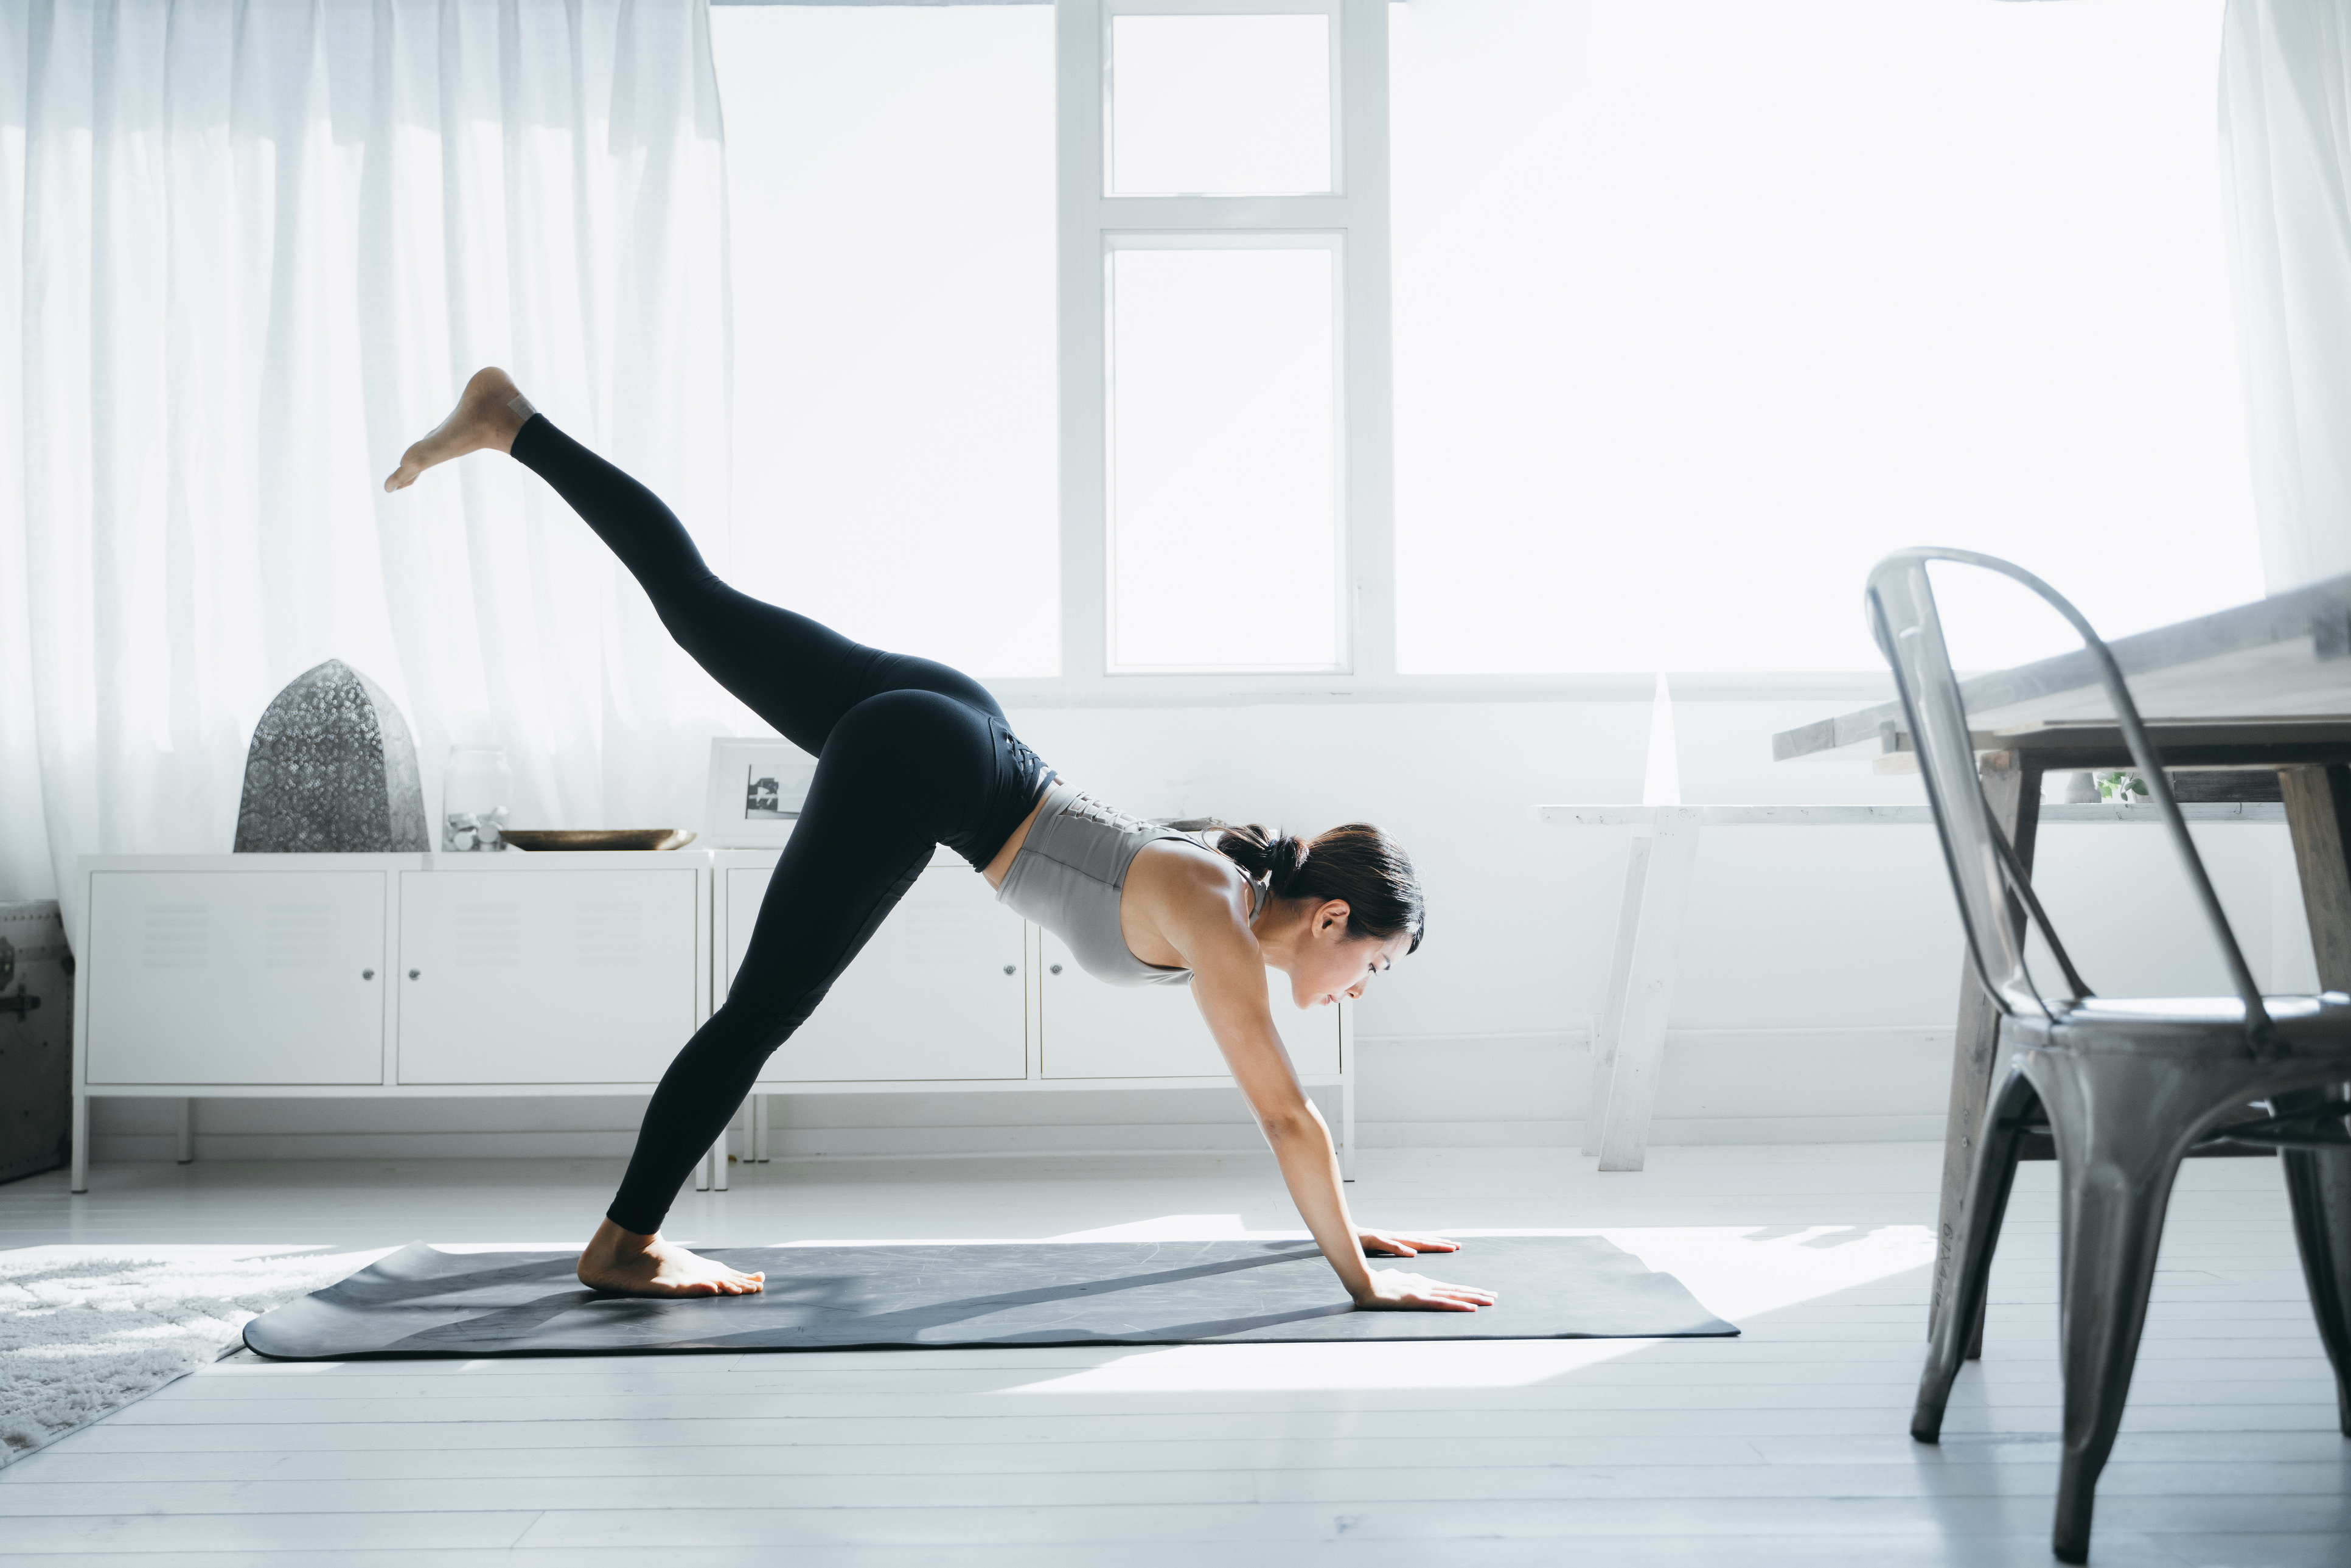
(911, 754)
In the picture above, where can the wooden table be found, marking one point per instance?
(2262, 688)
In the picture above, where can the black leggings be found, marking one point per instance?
(909, 753)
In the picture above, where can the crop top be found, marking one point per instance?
(1067, 875)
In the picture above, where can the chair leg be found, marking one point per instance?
(2318, 1185)
(1960, 1323)
(2116, 1173)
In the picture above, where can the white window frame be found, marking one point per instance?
(1352, 221)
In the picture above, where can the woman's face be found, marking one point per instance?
(1329, 964)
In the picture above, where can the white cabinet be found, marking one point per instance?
(235, 977)
(423, 975)
(545, 975)
(1088, 1029)
(935, 996)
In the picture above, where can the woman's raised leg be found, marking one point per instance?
(796, 674)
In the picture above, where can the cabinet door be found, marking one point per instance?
(935, 996)
(236, 977)
(1094, 1030)
(545, 976)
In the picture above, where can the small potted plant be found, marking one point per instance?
(2123, 787)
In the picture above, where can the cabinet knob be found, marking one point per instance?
(415, 974)
(1057, 969)
(367, 974)
(1012, 968)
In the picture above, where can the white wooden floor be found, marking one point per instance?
(1787, 1446)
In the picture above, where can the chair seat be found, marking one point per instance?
(2318, 1025)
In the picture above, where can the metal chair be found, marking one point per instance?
(2124, 1087)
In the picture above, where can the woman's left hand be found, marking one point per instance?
(1389, 1244)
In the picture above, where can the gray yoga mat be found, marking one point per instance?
(420, 1302)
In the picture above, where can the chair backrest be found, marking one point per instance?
(1994, 893)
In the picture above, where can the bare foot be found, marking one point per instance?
(631, 1265)
(490, 413)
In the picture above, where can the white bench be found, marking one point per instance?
(1628, 1039)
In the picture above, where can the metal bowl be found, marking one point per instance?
(536, 839)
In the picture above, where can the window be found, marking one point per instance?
(1223, 329)
(1702, 308)
(1220, 105)
(1224, 454)
(890, 198)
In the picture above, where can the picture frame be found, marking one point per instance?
(755, 792)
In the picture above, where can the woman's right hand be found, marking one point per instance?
(1395, 1291)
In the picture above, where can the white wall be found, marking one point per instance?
(1818, 979)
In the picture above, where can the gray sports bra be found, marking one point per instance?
(1067, 875)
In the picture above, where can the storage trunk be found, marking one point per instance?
(36, 997)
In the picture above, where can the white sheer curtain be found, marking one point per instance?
(2285, 128)
(247, 253)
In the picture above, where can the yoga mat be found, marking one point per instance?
(420, 1302)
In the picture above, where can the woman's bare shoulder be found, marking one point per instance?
(1185, 904)
(1186, 867)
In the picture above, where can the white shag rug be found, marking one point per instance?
(85, 1330)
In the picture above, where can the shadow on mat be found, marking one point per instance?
(830, 1294)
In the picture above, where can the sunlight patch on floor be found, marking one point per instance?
(1739, 1271)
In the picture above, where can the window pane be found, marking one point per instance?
(1224, 460)
(1702, 308)
(891, 180)
(1220, 105)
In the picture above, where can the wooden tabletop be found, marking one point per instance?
(2275, 673)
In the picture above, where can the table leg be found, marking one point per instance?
(2012, 786)
(2318, 814)
(2318, 1181)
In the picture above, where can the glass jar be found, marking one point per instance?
(476, 789)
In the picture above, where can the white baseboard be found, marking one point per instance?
(1856, 1084)
(1471, 1135)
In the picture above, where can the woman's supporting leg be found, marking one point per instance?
(901, 771)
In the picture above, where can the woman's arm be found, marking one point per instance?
(1212, 934)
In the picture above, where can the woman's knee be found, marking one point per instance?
(758, 1015)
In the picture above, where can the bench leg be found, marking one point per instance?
(1347, 1127)
(1609, 1029)
(1650, 991)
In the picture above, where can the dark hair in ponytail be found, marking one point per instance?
(1355, 862)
